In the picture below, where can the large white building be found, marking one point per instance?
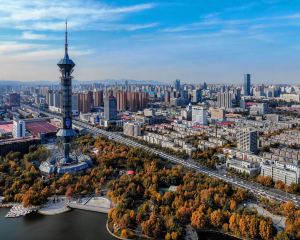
(132, 129)
(259, 109)
(290, 97)
(19, 130)
(286, 173)
(249, 167)
(247, 140)
(224, 100)
(75, 107)
(199, 115)
(56, 99)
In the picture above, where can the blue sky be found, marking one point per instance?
(215, 41)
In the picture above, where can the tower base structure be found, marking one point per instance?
(58, 165)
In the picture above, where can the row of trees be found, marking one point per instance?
(268, 182)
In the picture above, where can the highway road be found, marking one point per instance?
(255, 188)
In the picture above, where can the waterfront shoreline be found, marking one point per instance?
(80, 225)
(214, 232)
(114, 235)
(201, 231)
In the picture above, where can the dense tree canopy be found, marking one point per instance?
(144, 204)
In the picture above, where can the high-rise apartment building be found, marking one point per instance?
(75, 102)
(14, 99)
(184, 97)
(85, 102)
(110, 108)
(56, 99)
(177, 84)
(247, 140)
(196, 95)
(19, 129)
(167, 97)
(121, 100)
(224, 100)
(136, 101)
(49, 94)
(98, 98)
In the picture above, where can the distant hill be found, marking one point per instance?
(25, 83)
(119, 81)
(106, 82)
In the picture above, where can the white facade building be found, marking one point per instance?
(247, 140)
(224, 100)
(132, 129)
(19, 130)
(286, 173)
(199, 115)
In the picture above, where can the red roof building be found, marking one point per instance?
(6, 127)
(36, 128)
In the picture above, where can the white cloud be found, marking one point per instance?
(13, 47)
(33, 36)
(27, 52)
(48, 54)
(50, 15)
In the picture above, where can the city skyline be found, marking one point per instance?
(153, 40)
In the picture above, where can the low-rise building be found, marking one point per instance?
(250, 168)
(280, 171)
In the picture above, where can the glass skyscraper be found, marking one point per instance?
(247, 84)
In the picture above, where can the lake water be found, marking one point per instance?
(74, 225)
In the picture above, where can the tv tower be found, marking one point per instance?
(66, 132)
(66, 162)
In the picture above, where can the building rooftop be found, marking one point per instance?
(40, 127)
(6, 127)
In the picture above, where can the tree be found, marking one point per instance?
(232, 223)
(294, 188)
(174, 235)
(198, 219)
(124, 233)
(216, 218)
(292, 225)
(253, 227)
(265, 229)
(281, 236)
(124, 221)
(265, 180)
(32, 197)
(279, 185)
(184, 214)
(243, 226)
(69, 192)
(288, 209)
(153, 227)
(232, 205)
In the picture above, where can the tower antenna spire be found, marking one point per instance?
(66, 39)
